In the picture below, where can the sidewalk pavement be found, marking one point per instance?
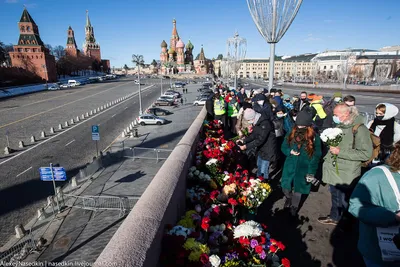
(79, 235)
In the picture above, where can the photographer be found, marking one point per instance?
(376, 203)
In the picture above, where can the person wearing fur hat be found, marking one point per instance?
(261, 142)
(302, 148)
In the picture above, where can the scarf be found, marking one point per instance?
(387, 133)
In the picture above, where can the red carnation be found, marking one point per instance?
(204, 223)
(259, 249)
(216, 210)
(285, 262)
(204, 258)
(263, 240)
(242, 221)
(232, 201)
(244, 241)
(230, 210)
(273, 241)
(280, 245)
(272, 249)
(214, 194)
(228, 225)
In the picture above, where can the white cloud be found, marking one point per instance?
(11, 1)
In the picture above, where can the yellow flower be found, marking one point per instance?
(195, 255)
(257, 261)
(204, 249)
(190, 244)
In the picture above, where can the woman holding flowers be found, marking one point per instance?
(302, 148)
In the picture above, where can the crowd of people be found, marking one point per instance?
(281, 134)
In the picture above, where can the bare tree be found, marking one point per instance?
(58, 52)
(381, 73)
(367, 72)
(347, 63)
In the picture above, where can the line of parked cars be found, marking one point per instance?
(74, 83)
(169, 98)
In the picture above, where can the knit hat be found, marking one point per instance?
(246, 105)
(304, 118)
(259, 97)
(337, 94)
(249, 114)
(273, 90)
(286, 96)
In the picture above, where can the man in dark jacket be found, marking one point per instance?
(241, 96)
(262, 139)
(262, 106)
(300, 104)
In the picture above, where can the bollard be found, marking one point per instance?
(41, 214)
(82, 173)
(107, 105)
(101, 108)
(52, 130)
(87, 114)
(33, 139)
(19, 231)
(123, 134)
(72, 121)
(83, 117)
(21, 144)
(74, 183)
(43, 134)
(127, 129)
(90, 113)
(60, 127)
(98, 109)
(66, 124)
(7, 150)
(130, 127)
(94, 111)
(135, 123)
(77, 118)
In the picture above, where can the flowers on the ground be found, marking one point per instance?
(220, 193)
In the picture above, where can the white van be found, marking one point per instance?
(73, 83)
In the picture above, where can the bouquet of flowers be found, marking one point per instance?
(332, 137)
(254, 194)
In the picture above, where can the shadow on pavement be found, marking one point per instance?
(131, 177)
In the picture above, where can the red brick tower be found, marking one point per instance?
(71, 49)
(30, 52)
(90, 47)
(174, 37)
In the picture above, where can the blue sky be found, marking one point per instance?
(131, 27)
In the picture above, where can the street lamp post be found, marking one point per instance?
(236, 53)
(138, 60)
(273, 19)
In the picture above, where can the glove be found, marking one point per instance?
(311, 179)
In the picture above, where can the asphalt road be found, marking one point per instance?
(21, 191)
(365, 101)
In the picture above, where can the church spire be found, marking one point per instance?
(88, 24)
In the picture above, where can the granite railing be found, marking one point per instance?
(137, 242)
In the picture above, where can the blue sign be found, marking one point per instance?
(47, 174)
(95, 133)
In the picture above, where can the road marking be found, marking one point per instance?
(113, 115)
(66, 104)
(24, 171)
(127, 107)
(63, 132)
(51, 98)
(70, 142)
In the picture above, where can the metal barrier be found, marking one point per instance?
(97, 203)
(149, 153)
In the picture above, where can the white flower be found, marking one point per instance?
(226, 178)
(211, 161)
(248, 229)
(221, 148)
(214, 260)
(251, 196)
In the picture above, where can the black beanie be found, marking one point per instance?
(304, 118)
(246, 105)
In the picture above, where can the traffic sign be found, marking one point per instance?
(95, 133)
(47, 174)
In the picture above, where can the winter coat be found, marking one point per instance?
(374, 203)
(349, 160)
(296, 168)
(241, 97)
(263, 139)
(299, 105)
(241, 123)
(391, 112)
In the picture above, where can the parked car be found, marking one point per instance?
(173, 93)
(200, 102)
(65, 86)
(54, 87)
(150, 119)
(164, 102)
(73, 83)
(168, 97)
(158, 111)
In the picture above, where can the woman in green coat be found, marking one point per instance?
(302, 148)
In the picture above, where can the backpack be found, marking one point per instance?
(328, 107)
(376, 144)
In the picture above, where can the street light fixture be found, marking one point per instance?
(138, 60)
(273, 18)
(236, 53)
